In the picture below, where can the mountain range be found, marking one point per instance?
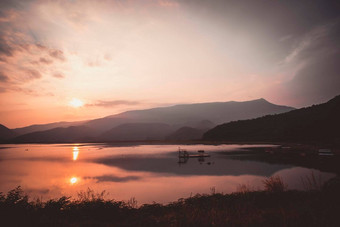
(318, 123)
(179, 122)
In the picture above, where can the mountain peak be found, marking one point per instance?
(6, 133)
(262, 100)
(178, 115)
(314, 123)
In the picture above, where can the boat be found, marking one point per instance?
(325, 152)
(182, 153)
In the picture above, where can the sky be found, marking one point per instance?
(70, 60)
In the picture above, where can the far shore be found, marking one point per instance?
(205, 142)
(306, 145)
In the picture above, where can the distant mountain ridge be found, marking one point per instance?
(186, 133)
(6, 133)
(178, 116)
(152, 124)
(43, 127)
(137, 132)
(191, 115)
(59, 135)
(318, 123)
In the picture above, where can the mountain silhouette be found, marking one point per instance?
(137, 131)
(191, 114)
(191, 121)
(6, 133)
(44, 127)
(318, 123)
(59, 135)
(186, 133)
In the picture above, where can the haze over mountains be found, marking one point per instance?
(318, 123)
(59, 135)
(180, 122)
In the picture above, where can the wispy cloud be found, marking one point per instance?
(45, 61)
(3, 90)
(32, 74)
(58, 54)
(113, 103)
(308, 40)
(113, 178)
(315, 57)
(58, 75)
(3, 78)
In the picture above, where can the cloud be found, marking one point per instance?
(93, 63)
(168, 3)
(45, 61)
(313, 37)
(3, 90)
(32, 92)
(24, 59)
(113, 178)
(58, 75)
(32, 74)
(113, 103)
(5, 49)
(3, 78)
(57, 54)
(138, 47)
(318, 77)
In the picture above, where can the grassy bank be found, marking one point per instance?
(275, 206)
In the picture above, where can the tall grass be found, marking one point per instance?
(275, 184)
(245, 188)
(279, 207)
(90, 195)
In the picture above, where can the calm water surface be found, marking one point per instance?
(147, 172)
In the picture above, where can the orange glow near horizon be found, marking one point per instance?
(83, 60)
(75, 153)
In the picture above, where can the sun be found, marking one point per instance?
(73, 180)
(76, 103)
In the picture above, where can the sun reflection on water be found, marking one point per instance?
(75, 153)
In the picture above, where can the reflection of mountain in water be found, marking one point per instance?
(219, 165)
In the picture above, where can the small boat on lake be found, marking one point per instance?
(182, 153)
(325, 152)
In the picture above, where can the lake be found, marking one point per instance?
(146, 172)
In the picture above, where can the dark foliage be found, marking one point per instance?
(276, 207)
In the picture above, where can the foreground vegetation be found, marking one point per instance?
(275, 206)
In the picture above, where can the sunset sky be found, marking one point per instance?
(67, 60)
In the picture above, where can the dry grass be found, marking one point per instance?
(245, 188)
(274, 184)
(274, 207)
